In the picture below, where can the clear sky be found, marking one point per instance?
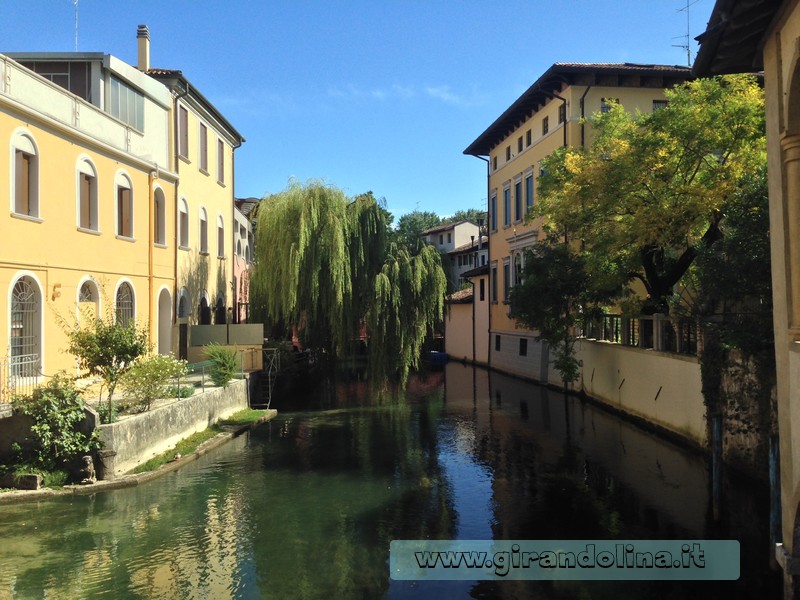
(376, 95)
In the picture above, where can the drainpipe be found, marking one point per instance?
(151, 238)
(234, 229)
(176, 159)
(564, 103)
(583, 115)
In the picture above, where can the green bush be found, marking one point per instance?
(224, 360)
(180, 391)
(57, 410)
(149, 378)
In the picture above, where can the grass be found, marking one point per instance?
(190, 444)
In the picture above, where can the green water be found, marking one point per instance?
(305, 506)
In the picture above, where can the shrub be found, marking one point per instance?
(224, 360)
(180, 391)
(149, 378)
(57, 410)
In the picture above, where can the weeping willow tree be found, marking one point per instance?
(324, 264)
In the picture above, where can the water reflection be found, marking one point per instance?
(305, 506)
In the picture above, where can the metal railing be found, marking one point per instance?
(198, 375)
(656, 332)
(19, 375)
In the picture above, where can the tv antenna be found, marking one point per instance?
(75, 2)
(687, 37)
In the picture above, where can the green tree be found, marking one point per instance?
(150, 378)
(554, 295)
(651, 188)
(474, 215)
(106, 349)
(326, 265)
(411, 225)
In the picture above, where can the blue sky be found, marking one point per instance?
(369, 94)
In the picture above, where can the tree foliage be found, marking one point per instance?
(555, 293)
(57, 410)
(650, 188)
(150, 378)
(106, 348)
(326, 265)
(411, 225)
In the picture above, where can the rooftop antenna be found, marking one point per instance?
(689, 4)
(75, 3)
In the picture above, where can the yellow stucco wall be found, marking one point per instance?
(506, 240)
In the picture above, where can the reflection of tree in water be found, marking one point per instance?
(369, 475)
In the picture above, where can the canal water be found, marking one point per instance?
(305, 506)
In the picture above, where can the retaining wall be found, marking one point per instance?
(139, 438)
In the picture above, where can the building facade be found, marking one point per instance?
(461, 245)
(764, 35)
(549, 115)
(95, 225)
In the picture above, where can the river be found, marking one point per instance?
(305, 506)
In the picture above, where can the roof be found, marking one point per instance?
(564, 74)
(482, 270)
(445, 227)
(460, 297)
(472, 245)
(174, 79)
(247, 205)
(734, 37)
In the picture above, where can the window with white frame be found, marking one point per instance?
(183, 224)
(220, 161)
(124, 304)
(124, 195)
(183, 132)
(159, 217)
(87, 196)
(507, 206)
(25, 182)
(88, 301)
(203, 148)
(26, 327)
(220, 237)
(203, 231)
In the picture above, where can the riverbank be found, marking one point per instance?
(228, 429)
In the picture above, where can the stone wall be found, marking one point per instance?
(139, 438)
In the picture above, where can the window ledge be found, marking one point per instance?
(89, 231)
(24, 217)
(204, 171)
(184, 248)
(184, 159)
(159, 245)
(125, 238)
(203, 252)
(221, 256)
(221, 183)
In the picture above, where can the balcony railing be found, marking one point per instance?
(656, 332)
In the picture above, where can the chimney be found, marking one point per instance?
(143, 40)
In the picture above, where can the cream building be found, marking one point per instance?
(547, 116)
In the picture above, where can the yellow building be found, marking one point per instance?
(547, 116)
(120, 202)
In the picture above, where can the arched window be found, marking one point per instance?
(125, 305)
(87, 195)
(159, 217)
(88, 301)
(25, 178)
(124, 195)
(203, 231)
(183, 224)
(205, 311)
(220, 237)
(183, 304)
(219, 312)
(26, 327)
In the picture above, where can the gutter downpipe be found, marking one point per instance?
(234, 229)
(176, 212)
(566, 119)
(488, 217)
(583, 115)
(151, 177)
